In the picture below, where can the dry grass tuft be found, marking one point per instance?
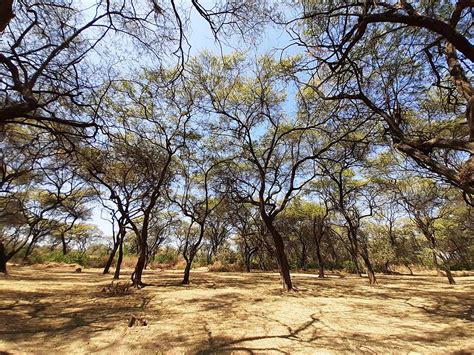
(118, 288)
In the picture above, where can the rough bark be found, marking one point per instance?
(193, 249)
(282, 260)
(370, 270)
(140, 266)
(187, 271)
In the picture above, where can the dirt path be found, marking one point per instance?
(59, 311)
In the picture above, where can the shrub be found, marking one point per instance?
(220, 267)
(166, 256)
(349, 266)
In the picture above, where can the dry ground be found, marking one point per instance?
(59, 311)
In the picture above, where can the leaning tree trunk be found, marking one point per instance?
(281, 256)
(438, 256)
(436, 262)
(370, 270)
(261, 262)
(29, 248)
(449, 275)
(192, 253)
(111, 257)
(446, 269)
(354, 251)
(3, 259)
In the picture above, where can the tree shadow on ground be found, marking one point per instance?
(211, 314)
(62, 316)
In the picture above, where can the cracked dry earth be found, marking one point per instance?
(59, 311)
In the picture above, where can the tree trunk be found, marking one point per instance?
(63, 242)
(321, 271)
(247, 265)
(29, 249)
(445, 266)
(354, 250)
(320, 260)
(137, 273)
(356, 264)
(449, 275)
(119, 259)
(281, 256)
(261, 262)
(247, 257)
(3, 259)
(111, 258)
(370, 270)
(436, 263)
(209, 256)
(187, 271)
(303, 257)
(334, 255)
(447, 269)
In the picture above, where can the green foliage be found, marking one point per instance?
(166, 256)
(74, 257)
(349, 266)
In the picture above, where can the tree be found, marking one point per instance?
(409, 65)
(200, 198)
(218, 231)
(426, 203)
(276, 151)
(137, 168)
(245, 220)
(350, 197)
(56, 61)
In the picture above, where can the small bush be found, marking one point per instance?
(220, 267)
(349, 266)
(166, 256)
(56, 256)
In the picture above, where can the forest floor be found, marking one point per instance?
(54, 310)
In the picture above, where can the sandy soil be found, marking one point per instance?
(59, 311)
